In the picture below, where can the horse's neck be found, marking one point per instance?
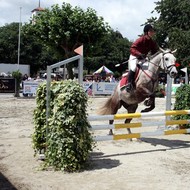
(154, 65)
(148, 78)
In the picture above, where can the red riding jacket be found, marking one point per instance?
(144, 45)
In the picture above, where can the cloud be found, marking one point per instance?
(126, 16)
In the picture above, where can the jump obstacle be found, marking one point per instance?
(139, 124)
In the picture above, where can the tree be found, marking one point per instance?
(65, 28)
(9, 43)
(36, 54)
(173, 24)
(112, 50)
(32, 52)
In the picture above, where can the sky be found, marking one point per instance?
(126, 16)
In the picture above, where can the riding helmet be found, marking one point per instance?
(148, 28)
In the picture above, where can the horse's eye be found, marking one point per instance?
(166, 59)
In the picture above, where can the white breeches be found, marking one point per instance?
(132, 63)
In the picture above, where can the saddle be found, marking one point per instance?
(124, 80)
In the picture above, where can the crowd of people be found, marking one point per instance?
(99, 78)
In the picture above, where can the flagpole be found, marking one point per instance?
(18, 61)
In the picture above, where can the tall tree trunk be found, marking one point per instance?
(70, 71)
(17, 88)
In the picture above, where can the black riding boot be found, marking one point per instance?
(131, 78)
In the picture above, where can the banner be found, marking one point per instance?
(103, 88)
(7, 85)
(30, 87)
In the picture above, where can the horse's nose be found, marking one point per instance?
(173, 74)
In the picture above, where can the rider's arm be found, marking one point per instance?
(134, 50)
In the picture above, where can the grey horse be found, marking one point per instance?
(146, 84)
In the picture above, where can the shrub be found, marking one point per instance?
(160, 91)
(69, 141)
(18, 77)
(182, 102)
(39, 135)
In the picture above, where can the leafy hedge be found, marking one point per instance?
(182, 102)
(160, 91)
(69, 141)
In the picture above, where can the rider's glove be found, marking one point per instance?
(141, 56)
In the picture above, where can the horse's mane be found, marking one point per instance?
(154, 55)
(158, 52)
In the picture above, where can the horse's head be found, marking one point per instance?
(168, 62)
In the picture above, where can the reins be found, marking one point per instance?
(148, 60)
(147, 73)
(166, 68)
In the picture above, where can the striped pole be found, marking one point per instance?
(140, 124)
(140, 135)
(137, 115)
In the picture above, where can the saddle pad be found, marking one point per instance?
(123, 81)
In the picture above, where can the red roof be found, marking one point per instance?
(38, 9)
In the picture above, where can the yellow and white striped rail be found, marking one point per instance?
(137, 115)
(139, 124)
(140, 135)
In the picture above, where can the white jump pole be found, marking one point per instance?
(186, 75)
(168, 95)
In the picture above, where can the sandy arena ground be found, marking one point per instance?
(157, 163)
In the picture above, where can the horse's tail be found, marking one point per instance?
(111, 105)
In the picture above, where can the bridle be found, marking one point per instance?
(167, 68)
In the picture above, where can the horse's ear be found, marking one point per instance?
(174, 51)
(162, 50)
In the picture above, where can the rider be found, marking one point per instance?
(139, 50)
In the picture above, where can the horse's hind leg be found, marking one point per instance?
(114, 111)
(131, 109)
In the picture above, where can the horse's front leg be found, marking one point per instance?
(111, 131)
(150, 102)
(128, 121)
(128, 129)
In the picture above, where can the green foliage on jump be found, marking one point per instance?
(182, 102)
(39, 135)
(68, 141)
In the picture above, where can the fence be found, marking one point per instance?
(161, 132)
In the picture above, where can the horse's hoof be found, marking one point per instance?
(138, 140)
(147, 103)
(135, 140)
(110, 132)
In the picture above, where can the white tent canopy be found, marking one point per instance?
(103, 71)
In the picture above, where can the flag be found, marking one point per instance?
(79, 50)
(184, 70)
